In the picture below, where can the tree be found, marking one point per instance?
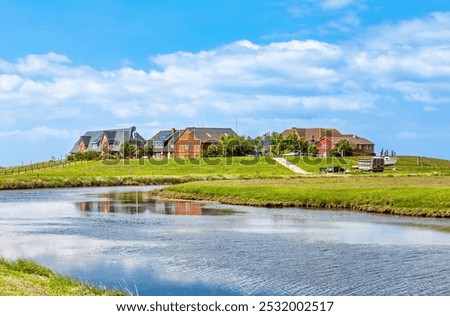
(128, 150)
(233, 145)
(312, 150)
(145, 151)
(212, 151)
(342, 148)
(287, 144)
(276, 143)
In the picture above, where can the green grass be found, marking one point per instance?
(413, 196)
(135, 172)
(313, 164)
(409, 188)
(404, 165)
(26, 278)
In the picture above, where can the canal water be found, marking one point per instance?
(123, 238)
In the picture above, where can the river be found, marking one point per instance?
(121, 237)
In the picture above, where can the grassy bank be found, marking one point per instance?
(414, 186)
(402, 195)
(144, 172)
(26, 278)
(406, 165)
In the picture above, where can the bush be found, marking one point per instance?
(88, 155)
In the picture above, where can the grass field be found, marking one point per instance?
(26, 278)
(135, 172)
(405, 164)
(414, 186)
(402, 195)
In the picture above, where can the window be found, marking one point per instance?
(158, 145)
(359, 146)
(186, 146)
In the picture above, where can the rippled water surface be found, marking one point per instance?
(121, 237)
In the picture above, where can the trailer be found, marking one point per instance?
(374, 164)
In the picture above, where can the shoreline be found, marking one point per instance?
(412, 200)
(208, 188)
(176, 196)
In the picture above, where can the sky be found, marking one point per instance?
(379, 69)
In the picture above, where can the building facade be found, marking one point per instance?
(107, 142)
(193, 140)
(326, 139)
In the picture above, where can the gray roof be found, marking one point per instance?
(116, 137)
(165, 137)
(210, 134)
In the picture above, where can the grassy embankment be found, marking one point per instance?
(408, 188)
(406, 165)
(26, 278)
(413, 187)
(142, 172)
(402, 195)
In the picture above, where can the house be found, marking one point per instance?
(324, 146)
(163, 143)
(312, 134)
(107, 142)
(326, 138)
(193, 140)
(361, 146)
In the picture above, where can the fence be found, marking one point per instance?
(37, 166)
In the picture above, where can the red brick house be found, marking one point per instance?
(193, 140)
(326, 138)
(324, 146)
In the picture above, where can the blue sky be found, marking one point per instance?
(378, 69)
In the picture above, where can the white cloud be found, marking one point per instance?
(347, 23)
(335, 4)
(410, 59)
(226, 79)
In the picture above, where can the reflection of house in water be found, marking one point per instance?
(110, 207)
(176, 207)
(138, 206)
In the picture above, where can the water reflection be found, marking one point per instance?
(144, 202)
(122, 236)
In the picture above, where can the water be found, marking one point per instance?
(122, 238)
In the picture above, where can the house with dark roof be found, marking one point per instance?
(312, 134)
(361, 146)
(193, 140)
(107, 142)
(163, 143)
(326, 138)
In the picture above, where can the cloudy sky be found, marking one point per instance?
(376, 68)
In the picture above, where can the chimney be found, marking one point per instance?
(173, 130)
